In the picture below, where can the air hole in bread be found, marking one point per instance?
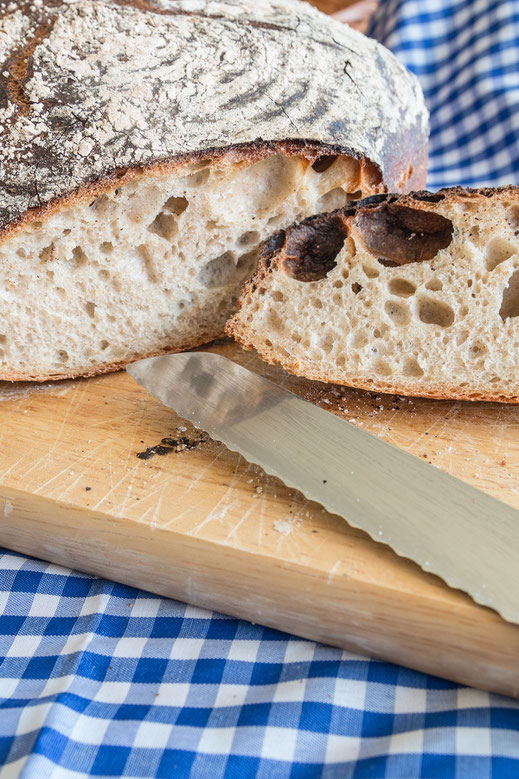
(382, 368)
(107, 247)
(412, 368)
(477, 349)
(434, 312)
(247, 262)
(146, 257)
(90, 308)
(3, 338)
(474, 233)
(399, 313)
(461, 337)
(317, 303)
(326, 343)
(47, 253)
(510, 302)
(21, 253)
(277, 296)
(324, 162)
(177, 205)
(275, 322)
(79, 256)
(164, 225)
(199, 178)
(217, 272)
(371, 272)
(356, 288)
(435, 285)
(104, 345)
(337, 299)
(469, 205)
(512, 217)
(337, 284)
(67, 231)
(62, 355)
(104, 274)
(248, 238)
(335, 198)
(401, 287)
(359, 339)
(341, 361)
(101, 205)
(498, 250)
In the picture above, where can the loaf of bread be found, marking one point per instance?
(148, 147)
(414, 294)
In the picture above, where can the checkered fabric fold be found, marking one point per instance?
(98, 679)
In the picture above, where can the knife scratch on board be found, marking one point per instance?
(69, 466)
(333, 570)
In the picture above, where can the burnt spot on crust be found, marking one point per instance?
(372, 200)
(311, 248)
(271, 246)
(428, 197)
(400, 234)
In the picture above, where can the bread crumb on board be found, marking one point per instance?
(283, 526)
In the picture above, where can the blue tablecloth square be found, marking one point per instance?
(110, 761)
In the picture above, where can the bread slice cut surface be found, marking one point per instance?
(415, 294)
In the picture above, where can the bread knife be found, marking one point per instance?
(449, 528)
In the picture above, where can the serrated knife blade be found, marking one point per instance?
(449, 528)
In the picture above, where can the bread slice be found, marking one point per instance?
(415, 294)
(147, 148)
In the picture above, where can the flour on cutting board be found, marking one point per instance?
(8, 507)
(17, 390)
(283, 526)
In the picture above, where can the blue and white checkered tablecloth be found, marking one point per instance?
(98, 679)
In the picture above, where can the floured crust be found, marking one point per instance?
(241, 326)
(92, 91)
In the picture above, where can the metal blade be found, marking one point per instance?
(449, 528)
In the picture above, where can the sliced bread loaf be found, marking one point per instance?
(147, 148)
(415, 294)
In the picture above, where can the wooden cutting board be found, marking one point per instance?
(204, 526)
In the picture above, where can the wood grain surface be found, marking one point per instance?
(204, 526)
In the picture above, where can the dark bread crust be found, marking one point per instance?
(43, 170)
(274, 258)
